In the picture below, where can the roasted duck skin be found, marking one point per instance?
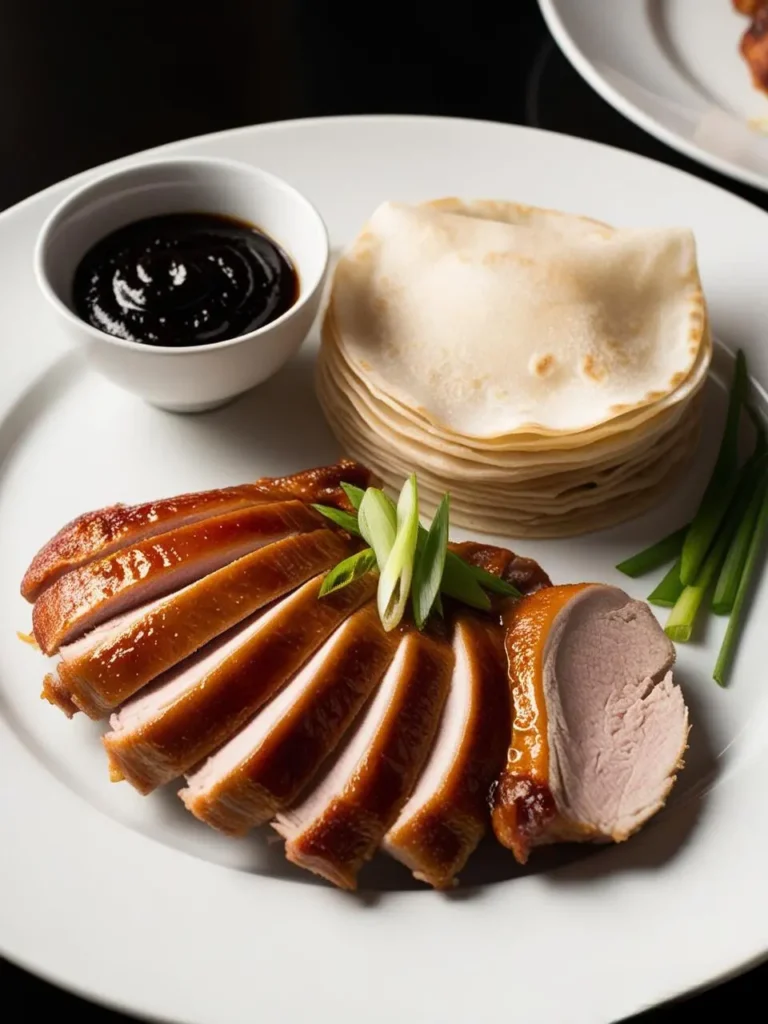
(446, 816)
(189, 712)
(86, 597)
(98, 534)
(599, 728)
(96, 679)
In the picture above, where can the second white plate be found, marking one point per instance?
(674, 68)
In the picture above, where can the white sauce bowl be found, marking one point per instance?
(200, 377)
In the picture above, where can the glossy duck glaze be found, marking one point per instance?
(84, 598)
(95, 535)
(194, 709)
(340, 824)
(447, 814)
(134, 653)
(265, 767)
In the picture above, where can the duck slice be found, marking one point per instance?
(447, 814)
(98, 677)
(265, 767)
(88, 596)
(599, 727)
(95, 535)
(187, 713)
(340, 824)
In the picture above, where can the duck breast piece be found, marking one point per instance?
(171, 726)
(94, 593)
(265, 767)
(447, 814)
(95, 535)
(98, 676)
(599, 727)
(340, 823)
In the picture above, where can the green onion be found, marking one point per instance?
(681, 619)
(355, 495)
(377, 522)
(460, 583)
(396, 576)
(348, 571)
(657, 554)
(345, 520)
(495, 584)
(669, 590)
(736, 557)
(728, 649)
(722, 483)
(429, 565)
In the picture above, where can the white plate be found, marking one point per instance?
(674, 68)
(132, 902)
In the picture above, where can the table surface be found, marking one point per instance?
(84, 82)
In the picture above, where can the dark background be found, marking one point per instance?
(83, 82)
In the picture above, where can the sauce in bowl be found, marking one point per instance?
(184, 279)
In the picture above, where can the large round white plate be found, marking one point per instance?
(674, 68)
(132, 902)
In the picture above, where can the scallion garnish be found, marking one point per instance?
(722, 483)
(355, 495)
(377, 522)
(429, 565)
(343, 519)
(423, 569)
(656, 555)
(735, 622)
(669, 590)
(397, 574)
(348, 571)
(735, 560)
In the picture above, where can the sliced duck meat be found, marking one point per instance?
(170, 727)
(95, 535)
(94, 593)
(599, 726)
(342, 821)
(447, 814)
(97, 676)
(266, 766)
(523, 573)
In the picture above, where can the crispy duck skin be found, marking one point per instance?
(265, 767)
(88, 596)
(96, 679)
(598, 728)
(95, 535)
(447, 814)
(341, 822)
(754, 48)
(195, 708)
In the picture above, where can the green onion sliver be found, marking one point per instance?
(733, 566)
(656, 555)
(669, 590)
(396, 576)
(348, 571)
(460, 583)
(682, 618)
(377, 522)
(355, 495)
(728, 649)
(345, 520)
(722, 483)
(429, 565)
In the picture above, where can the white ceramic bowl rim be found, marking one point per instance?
(216, 163)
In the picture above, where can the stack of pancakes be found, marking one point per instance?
(543, 368)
